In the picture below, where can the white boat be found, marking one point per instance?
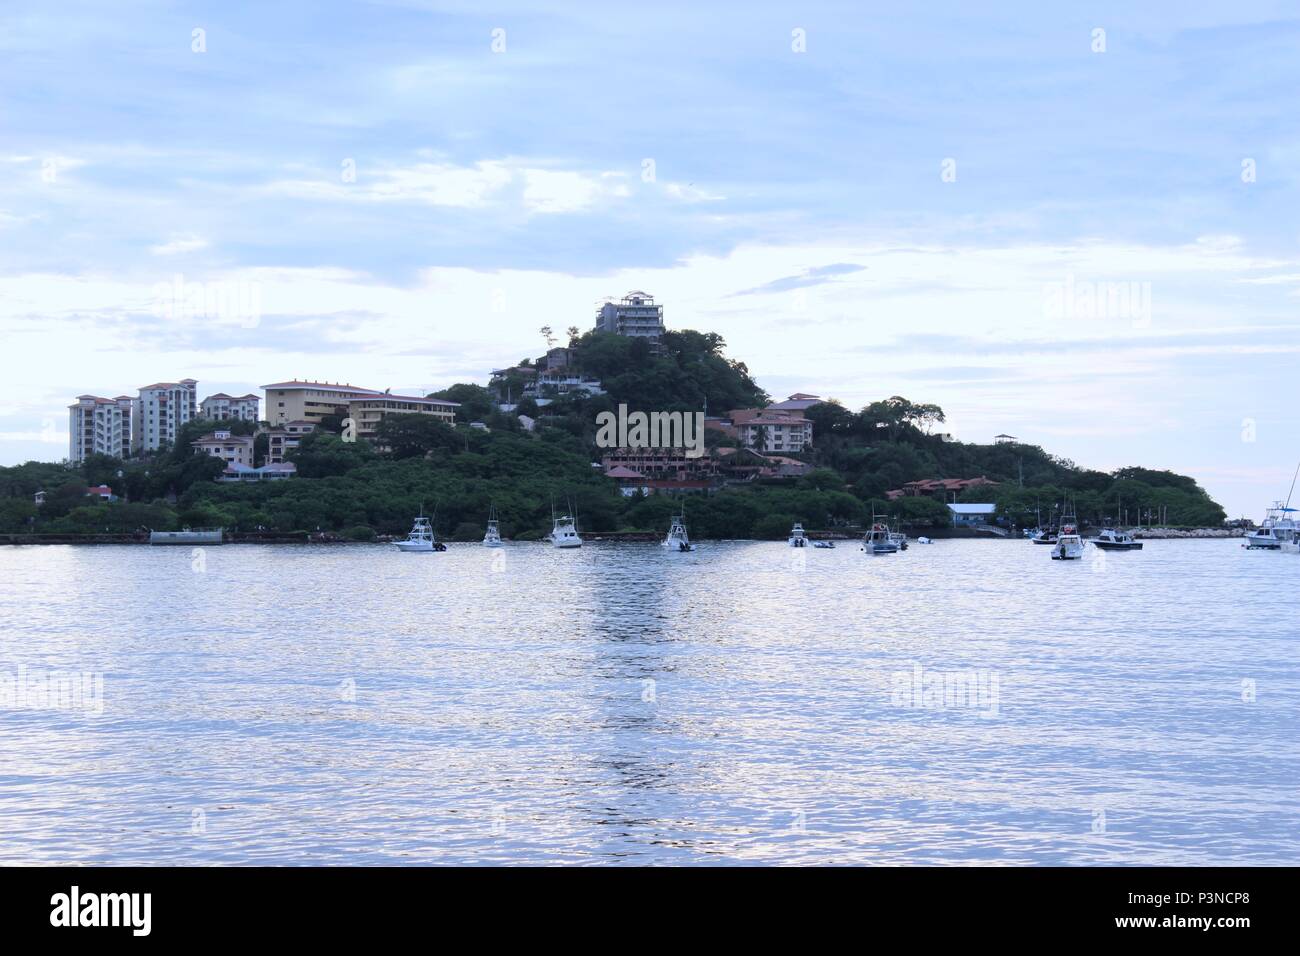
(827, 545)
(421, 538)
(1069, 545)
(564, 533)
(678, 539)
(186, 536)
(797, 538)
(924, 540)
(1113, 540)
(492, 539)
(878, 540)
(1277, 529)
(899, 539)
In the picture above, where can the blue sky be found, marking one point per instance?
(795, 202)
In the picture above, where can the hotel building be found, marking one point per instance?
(99, 426)
(232, 449)
(160, 411)
(298, 402)
(368, 411)
(222, 406)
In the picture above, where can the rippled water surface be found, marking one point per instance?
(746, 703)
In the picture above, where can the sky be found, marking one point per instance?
(1074, 226)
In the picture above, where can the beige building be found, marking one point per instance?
(297, 401)
(368, 412)
(221, 406)
(232, 449)
(771, 429)
(160, 411)
(99, 426)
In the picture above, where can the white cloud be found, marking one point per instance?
(178, 245)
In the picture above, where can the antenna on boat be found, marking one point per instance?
(1293, 478)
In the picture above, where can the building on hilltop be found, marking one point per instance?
(635, 315)
(297, 402)
(798, 402)
(284, 439)
(99, 426)
(943, 489)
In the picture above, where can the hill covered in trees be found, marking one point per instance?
(350, 488)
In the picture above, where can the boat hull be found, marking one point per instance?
(1118, 546)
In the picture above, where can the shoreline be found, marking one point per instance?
(326, 537)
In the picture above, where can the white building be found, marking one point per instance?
(222, 406)
(284, 439)
(636, 315)
(160, 411)
(99, 426)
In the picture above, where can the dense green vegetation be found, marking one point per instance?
(352, 489)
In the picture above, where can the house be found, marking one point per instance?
(235, 472)
(769, 429)
(39, 498)
(1005, 439)
(629, 482)
(232, 449)
(940, 488)
(102, 492)
(971, 515)
(798, 402)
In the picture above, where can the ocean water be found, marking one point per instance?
(966, 702)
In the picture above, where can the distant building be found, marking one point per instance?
(367, 412)
(636, 315)
(282, 440)
(39, 498)
(222, 406)
(798, 402)
(236, 472)
(1005, 439)
(161, 411)
(941, 488)
(232, 449)
(102, 492)
(659, 463)
(971, 515)
(99, 426)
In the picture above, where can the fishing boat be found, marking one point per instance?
(421, 537)
(878, 540)
(1113, 540)
(797, 538)
(492, 539)
(1277, 529)
(186, 536)
(1045, 536)
(678, 539)
(1069, 544)
(564, 532)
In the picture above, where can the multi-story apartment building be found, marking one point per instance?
(635, 315)
(160, 411)
(99, 426)
(298, 402)
(232, 449)
(222, 406)
(282, 440)
(770, 429)
(367, 412)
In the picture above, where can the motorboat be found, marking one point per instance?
(1069, 544)
(824, 544)
(564, 533)
(1277, 529)
(1113, 540)
(492, 538)
(1045, 536)
(924, 540)
(878, 540)
(421, 538)
(797, 538)
(678, 539)
(899, 538)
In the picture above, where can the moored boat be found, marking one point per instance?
(1069, 544)
(492, 538)
(878, 540)
(678, 539)
(564, 533)
(421, 538)
(1112, 540)
(1277, 529)
(797, 537)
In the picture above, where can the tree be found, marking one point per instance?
(548, 334)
